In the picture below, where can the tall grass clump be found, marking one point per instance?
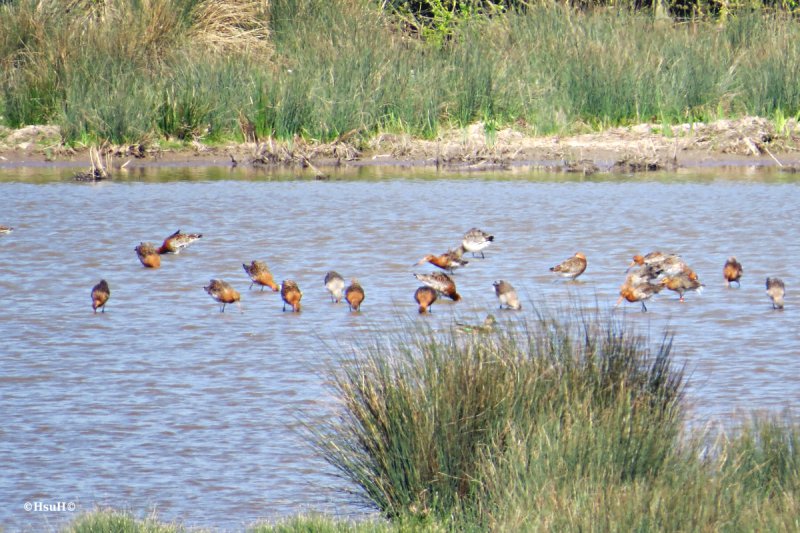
(426, 418)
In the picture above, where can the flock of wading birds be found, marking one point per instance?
(647, 276)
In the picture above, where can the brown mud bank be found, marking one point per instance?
(748, 141)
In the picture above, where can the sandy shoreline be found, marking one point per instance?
(745, 142)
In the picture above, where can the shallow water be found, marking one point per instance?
(163, 403)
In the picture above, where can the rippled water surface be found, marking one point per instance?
(163, 403)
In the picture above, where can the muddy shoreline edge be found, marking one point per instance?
(745, 142)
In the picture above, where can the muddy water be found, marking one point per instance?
(163, 403)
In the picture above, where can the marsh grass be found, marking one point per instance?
(110, 521)
(566, 422)
(427, 418)
(121, 71)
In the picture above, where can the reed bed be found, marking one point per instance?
(188, 69)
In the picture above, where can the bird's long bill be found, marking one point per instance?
(421, 261)
(239, 304)
(619, 301)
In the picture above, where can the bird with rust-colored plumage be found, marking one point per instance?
(260, 275)
(224, 293)
(571, 268)
(291, 294)
(441, 283)
(732, 272)
(148, 255)
(425, 297)
(100, 295)
(354, 294)
(177, 242)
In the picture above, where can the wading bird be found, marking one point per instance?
(776, 291)
(476, 240)
(177, 242)
(354, 294)
(681, 283)
(334, 283)
(222, 292)
(506, 295)
(450, 260)
(148, 255)
(732, 272)
(291, 294)
(441, 283)
(424, 296)
(100, 295)
(260, 275)
(571, 268)
(639, 286)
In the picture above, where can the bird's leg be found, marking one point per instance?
(644, 307)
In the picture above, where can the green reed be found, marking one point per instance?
(118, 71)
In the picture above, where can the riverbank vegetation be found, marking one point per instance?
(153, 70)
(571, 423)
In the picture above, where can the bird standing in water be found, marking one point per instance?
(425, 296)
(639, 286)
(259, 274)
(732, 271)
(681, 283)
(100, 295)
(476, 240)
(354, 294)
(450, 260)
(148, 255)
(291, 294)
(776, 290)
(177, 242)
(506, 295)
(571, 268)
(441, 283)
(222, 292)
(334, 283)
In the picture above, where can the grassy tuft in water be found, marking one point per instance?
(572, 422)
(429, 418)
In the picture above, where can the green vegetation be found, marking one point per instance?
(566, 423)
(150, 70)
(561, 423)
